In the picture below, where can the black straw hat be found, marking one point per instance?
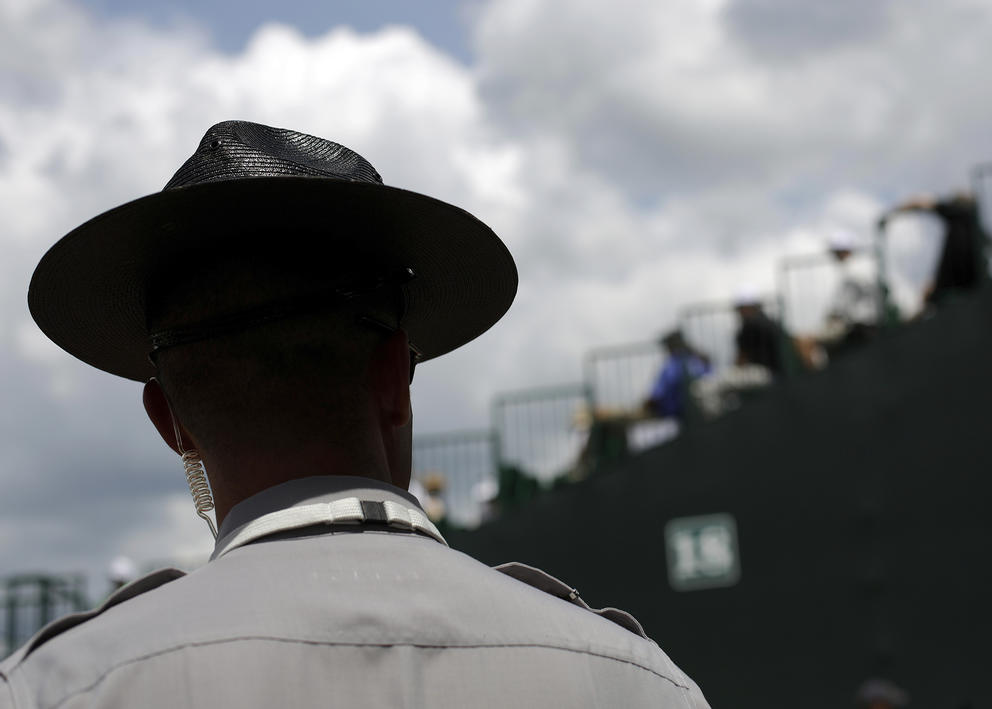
(302, 194)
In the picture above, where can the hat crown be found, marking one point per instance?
(236, 150)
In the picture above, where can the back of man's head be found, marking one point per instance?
(300, 382)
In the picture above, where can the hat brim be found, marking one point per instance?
(89, 292)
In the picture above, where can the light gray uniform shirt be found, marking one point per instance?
(292, 614)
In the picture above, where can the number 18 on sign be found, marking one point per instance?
(702, 552)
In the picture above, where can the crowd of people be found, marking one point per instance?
(688, 385)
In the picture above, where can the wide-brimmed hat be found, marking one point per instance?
(305, 197)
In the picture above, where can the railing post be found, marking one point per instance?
(978, 180)
(11, 610)
(44, 601)
(885, 314)
(494, 424)
(589, 375)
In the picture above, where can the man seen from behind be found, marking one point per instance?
(275, 300)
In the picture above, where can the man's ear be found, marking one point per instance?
(158, 410)
(390, 372)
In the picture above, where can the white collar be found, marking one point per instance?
(321, 500)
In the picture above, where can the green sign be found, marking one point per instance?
(702, 552)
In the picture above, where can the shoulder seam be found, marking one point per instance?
(152, 581)
(262, 638)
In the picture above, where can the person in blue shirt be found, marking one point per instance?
(670, 393)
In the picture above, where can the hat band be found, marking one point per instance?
(293, 307)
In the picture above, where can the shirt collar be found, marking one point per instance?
(305, 493)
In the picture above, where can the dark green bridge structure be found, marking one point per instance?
(835, 528)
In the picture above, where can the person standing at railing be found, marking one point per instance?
(759, 339)
(121, 572)
(429, 491)
(853, 314)
(961, 258)
(669, 397)
(760, 342)
(764, 343)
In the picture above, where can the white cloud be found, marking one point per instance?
(662, 96)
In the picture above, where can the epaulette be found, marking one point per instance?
(57, 627)
(543, 581)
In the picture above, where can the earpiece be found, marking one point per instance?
(196, 478)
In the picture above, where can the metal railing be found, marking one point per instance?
(539, 431)
(32, 601)
(981, 187)
(466, 461)
(620, 377)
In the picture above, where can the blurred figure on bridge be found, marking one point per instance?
(429, 491)
(760, 340)
(961, 258)
(853, 314)
(669, 397)
(765, 352)
(121, 572)
(765, 343)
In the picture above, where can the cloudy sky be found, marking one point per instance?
(634, 155)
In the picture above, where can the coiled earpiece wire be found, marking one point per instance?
(196, 478)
